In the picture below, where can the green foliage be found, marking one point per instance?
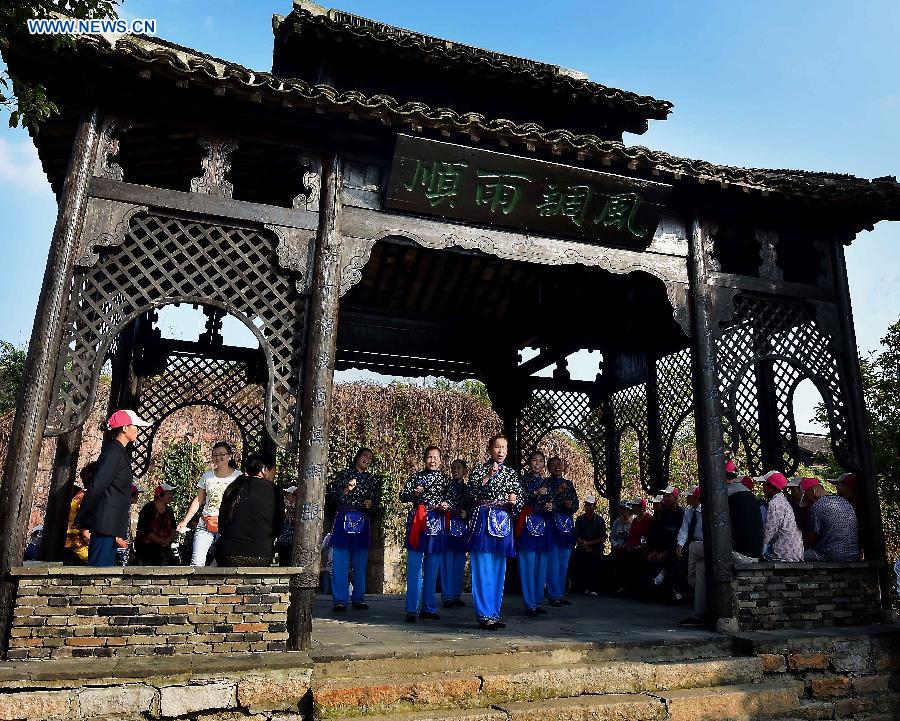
(183, 462)
(12, 367)
(28, 105)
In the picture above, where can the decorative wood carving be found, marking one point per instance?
(768, 255)
(105, 225)
(216, 166)
(355, 253)
(311, 180)
(370, 225)
(294, 248)
(113, 128)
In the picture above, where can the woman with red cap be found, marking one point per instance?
(105, 509)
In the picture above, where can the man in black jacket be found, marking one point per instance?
(105, 509)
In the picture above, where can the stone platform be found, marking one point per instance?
(597, 660)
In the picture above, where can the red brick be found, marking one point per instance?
(830, 686)
(807, 661)
(773, 662)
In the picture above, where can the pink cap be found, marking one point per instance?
(848, 479)
(808, 483)
(670, 490)
(730, 467)
(696, 492)
(125, 418)
(777, 479)
(747, 481)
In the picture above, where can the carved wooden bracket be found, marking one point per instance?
(105, 224)
(370, 226)
(216, 166)
(108, 148)
(355, 253)
(311, 180)
(294, 251)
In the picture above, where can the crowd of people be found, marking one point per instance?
(489, 514)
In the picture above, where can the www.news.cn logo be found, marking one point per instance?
(71, 26)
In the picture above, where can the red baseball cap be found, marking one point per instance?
(808, 483)
(671, 490)
(748, 482)
(122, 418)
(730, 467)
(775, 478)
(848, 479)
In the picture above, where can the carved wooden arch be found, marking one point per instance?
(642, 452)
(362, 228)
(169, 258)
(670, 442)
(598, 459)
(140, 459)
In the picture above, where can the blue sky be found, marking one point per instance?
(806, 84)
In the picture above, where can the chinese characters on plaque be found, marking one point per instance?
(435, 178)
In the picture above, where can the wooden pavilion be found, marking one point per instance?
(391, 201)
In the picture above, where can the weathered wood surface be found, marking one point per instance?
(315, 415)
(43, 350)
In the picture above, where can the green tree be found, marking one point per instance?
(27, 104)
(182, 464)
(12, 366)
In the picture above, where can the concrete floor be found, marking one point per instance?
(595, 621)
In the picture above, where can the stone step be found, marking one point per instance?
(480, 688)
(524, 656)
(716, 703)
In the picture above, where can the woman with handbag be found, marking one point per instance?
(210, 489)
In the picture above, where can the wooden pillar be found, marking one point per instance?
(613, 459)
(656, 449)
(316, 407)
(708, 416)
(868, 506)
(43, 350)
(771, 458)
(59, 495)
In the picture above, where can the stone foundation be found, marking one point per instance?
(68, 612)
(805, 595)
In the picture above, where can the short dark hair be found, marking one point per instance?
(256, 461)
(361, 451)
(494, 439)
(88, 472)
(536, 453)
(459, 460)
(429, 450)
(227, 446)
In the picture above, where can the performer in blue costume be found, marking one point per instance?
(453, 567)
(426, 540)
(565, 503)
(353, 494)
(497, 493)
(534, 535)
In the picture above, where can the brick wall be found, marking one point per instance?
(65, 612)
(838, 675)
(805, 595)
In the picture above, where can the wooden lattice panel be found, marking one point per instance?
(676, 397)
(786, 337)
(630, 410)
(166, 260)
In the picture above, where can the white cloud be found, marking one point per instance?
(21, 168)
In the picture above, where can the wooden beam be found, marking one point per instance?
(202, 204)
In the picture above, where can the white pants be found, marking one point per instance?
(203, 539)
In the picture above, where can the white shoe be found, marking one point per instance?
(660, 578)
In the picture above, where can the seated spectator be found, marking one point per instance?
(156, 528)
(618, 542)
(285, 543)
(781, 536)
(691, 532)
(33, 549)
(846, 488)
(833, 530)
(590, 537)
(660, 557)
(748, 483)
(637, 534)
(251, 515)
(746, 541)
(77, 539)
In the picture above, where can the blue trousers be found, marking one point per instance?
(453, 569)
(557, 570)
(488, 574)
(533, 575)
(421, 585)
(344, 560)
(102, 550)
